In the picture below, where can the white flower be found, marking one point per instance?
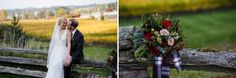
(159, 40)
(170, 41)
(152, 29)
(156, 33)
(164, 32)
(176, 35)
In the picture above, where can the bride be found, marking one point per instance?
(59, 49)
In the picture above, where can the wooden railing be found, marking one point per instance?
(36, 62)
(193, 59)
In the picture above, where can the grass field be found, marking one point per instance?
(200, 74)
(99, 71)
(196, 74)
(96, 53)
(215, 30)
(130, 7)
(94, 31)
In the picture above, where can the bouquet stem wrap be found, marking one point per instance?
(161, 66)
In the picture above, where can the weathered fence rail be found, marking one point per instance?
(221, 58)
(36, 62)
(40, 62)
(21, 50)
(20, 60)
(129, 67)
(20, 71)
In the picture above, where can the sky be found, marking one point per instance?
(20, 4)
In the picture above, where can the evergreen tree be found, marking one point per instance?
(15, 36)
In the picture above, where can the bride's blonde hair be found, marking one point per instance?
(61, 19)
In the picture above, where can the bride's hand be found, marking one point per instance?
(65, 62)
(68, 60)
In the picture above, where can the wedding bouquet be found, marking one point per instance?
(159, 36)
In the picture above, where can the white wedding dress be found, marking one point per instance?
(56, 55)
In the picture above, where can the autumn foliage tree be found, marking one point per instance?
(75, 13)
(3, 15)
(60, 12)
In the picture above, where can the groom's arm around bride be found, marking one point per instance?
(77, 42)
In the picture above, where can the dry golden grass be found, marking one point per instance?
(130, 7)
(93, 30)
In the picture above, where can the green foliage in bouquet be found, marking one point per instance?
(141, 53)
(138, 44)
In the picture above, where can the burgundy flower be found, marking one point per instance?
(153, 50)
(148, 36)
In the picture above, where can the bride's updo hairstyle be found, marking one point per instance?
(61, 19)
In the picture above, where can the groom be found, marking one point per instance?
(77, 43)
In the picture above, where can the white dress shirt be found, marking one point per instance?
(73, 32)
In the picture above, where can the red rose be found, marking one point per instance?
(166, 23)
(148, 36)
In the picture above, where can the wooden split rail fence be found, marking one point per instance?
(35, 62)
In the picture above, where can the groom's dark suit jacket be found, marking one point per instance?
(77, 43)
